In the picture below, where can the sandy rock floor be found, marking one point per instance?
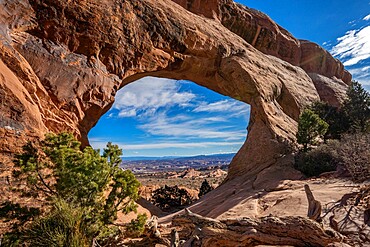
(233, 199)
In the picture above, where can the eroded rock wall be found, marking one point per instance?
(63, 61)
(268, 37)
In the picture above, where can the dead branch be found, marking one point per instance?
(290, 230)
(314, 206)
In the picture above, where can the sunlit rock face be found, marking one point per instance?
(63, 61)
(268, 37)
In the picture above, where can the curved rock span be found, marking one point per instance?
(62, 62)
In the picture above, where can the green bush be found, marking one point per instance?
(310, 128)
(63, 226)
(336, 118)
(204, 188)
(169, 198)
(352, 152)
(318, 160)
(137, 226)
(357, 108)
(57, 170)
(351, 117)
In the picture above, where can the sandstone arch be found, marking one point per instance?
(62, 62)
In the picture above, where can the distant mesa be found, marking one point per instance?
(227, 156)
(217, 173)
(190, 173)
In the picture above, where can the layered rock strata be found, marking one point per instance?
(268, 37)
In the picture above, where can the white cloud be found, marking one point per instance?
(353, 23)
(127, 113)
(144, 97)
(190, 127)
(353, 47)
(367, 18)
(222, 106)
(147, 95)
(361, 74)
(157, 101)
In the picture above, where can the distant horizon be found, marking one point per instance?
(179, 156)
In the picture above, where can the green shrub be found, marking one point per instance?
(357, 107)
(56, 169)
(318, 160)
(351, 152)
(204, 188)
(353, 115)
(63, 226)
(137, 226)
(169, 198)
(336, 118)
(310, 128)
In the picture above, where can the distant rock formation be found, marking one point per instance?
(62, 62)
(189, 173)
(216, 173)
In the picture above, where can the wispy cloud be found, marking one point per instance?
(165, 110)
(361, 74)
(146, 96)
(191, 127)
(127, 113)
(222, 106)
(353, 47)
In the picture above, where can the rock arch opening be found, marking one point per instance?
(89, 59)
(158, 117)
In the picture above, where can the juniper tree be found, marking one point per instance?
(335, 117)
(57, 170)
(204, 188)
(171, 197)
(357, 107)
(310, 127)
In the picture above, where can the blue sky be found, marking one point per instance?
(162, 117)
(341, 27)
